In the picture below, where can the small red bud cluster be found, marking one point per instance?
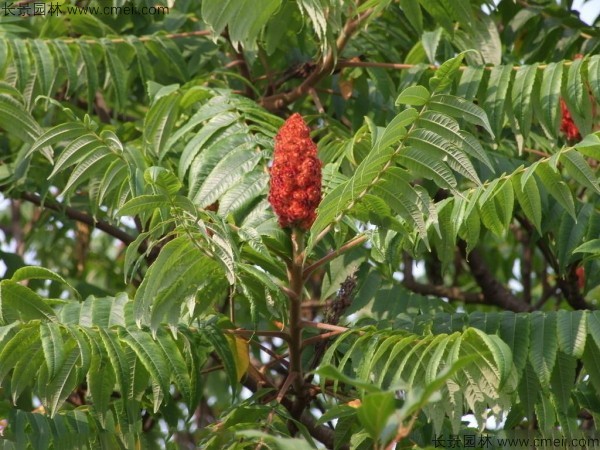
(295, 190)
(567, 126)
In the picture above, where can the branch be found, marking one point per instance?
(80, 216)
(321, 433)
(323, 326)
(400, 66)
(355, 241)
(327, 65)
(449, 292)
(295, 270)
(567, 284)
(140, 38)
(493, 291)
(251, 333)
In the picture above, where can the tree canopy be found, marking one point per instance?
(297, 223)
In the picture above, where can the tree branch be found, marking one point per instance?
(321, 433)
(355, 241)
(327, 65)
(567, 284)
(80, 216)
(493, 291)
(450, 292)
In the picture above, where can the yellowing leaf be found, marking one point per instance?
(239, 350)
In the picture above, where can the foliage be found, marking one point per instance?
(151, 299)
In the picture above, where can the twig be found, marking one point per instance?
(355, 241)
(278, 101)
(321, 337)
(449, 292)
(140, 38)
(250, 333)
(323, 326)
(80, 216)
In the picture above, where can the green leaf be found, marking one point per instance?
(570, 235)
(243, 20)
(337, 202)
(217, 339)
(521, 98)
(496, 94)
(163, 179)
(579, 169)
(168, 53)
(413, 13)
(118, 362)
(469, 82)
(66, 63)
(91, 71)
(159, 123)
(27, 369)
(444, 75)
(44, 65)
(24, 341)
(21, 61)
(145, 68)
(460, 108)
(150, 354)
(594, 75)
(544, 345)
(225, 174)
(428, 141)
(431, 40)
(572, 332)
(329, 372)
(427, 165)
(196, 144)
(18, 301)
(243, 193)
(592, 246)
(515, 331)
(414, 96)
(563, 382)
(550, 98)
(177, 364)
(15, 120)
(117, 71)
(167, 284)
(374, 412)
(101, 381)
(53, 346)
(144, 204)
(554, 184)
(65, 381)
(578, 98)
(88, 167)
(528, 196)
(39, 273)
(78, 149)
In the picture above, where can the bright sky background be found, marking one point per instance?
(589, 10)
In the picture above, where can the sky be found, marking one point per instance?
(589, 9)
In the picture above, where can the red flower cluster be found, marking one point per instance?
(567, 125)
(580, 272)
(295, 189)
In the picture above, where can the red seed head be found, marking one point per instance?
(567, 125)
(580, 272)
(295, 189)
